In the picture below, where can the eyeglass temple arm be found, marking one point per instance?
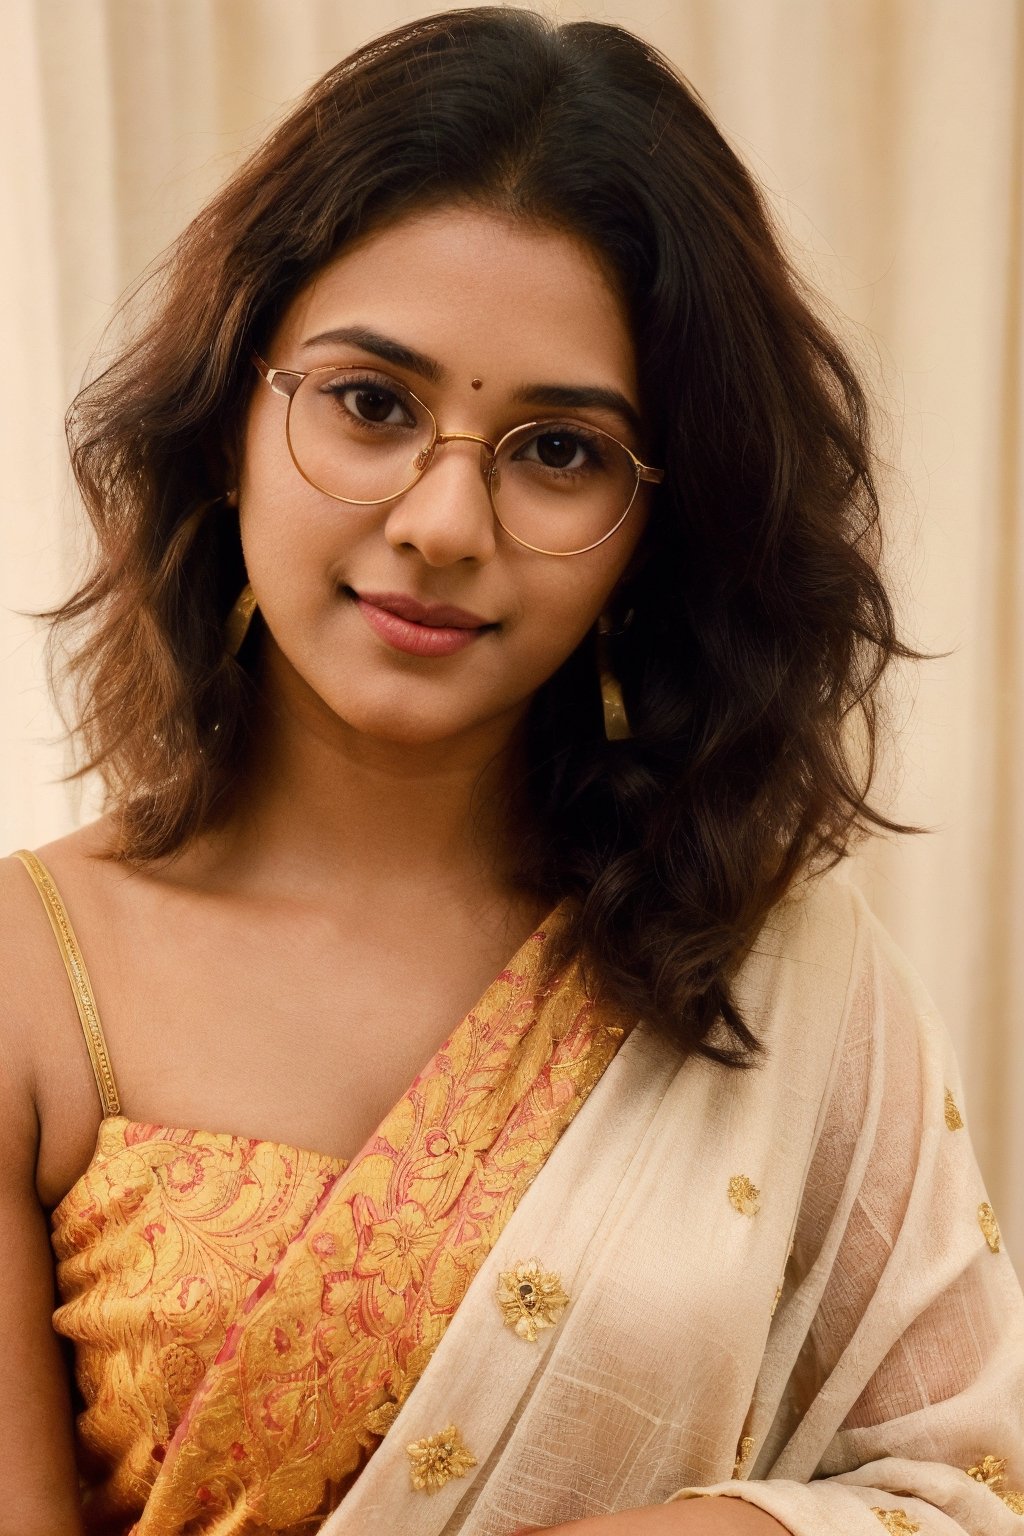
(283, 381)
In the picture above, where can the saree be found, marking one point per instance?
(248, 1319)
(785, 1285)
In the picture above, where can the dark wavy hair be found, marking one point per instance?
(760, 624)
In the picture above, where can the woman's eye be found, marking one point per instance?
(370, 402)
(562, 449)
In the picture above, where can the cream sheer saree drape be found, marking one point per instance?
(786, 1286)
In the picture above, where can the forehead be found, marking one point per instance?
(484, 294)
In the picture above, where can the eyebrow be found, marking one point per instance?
(558, 396)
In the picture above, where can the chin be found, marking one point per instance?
(404, 727)
(426, 721)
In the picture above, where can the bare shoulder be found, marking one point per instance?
(30, 964)
(80, 856)
(32, 968)
(43, 1058)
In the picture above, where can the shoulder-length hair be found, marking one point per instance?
(760, 625)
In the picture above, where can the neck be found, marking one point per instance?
(322, 805)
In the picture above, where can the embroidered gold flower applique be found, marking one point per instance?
(438, 1458)
(954, 1120)
(988, 1224)
(743, 1454)
(530, 1298)
(991, 1471)
(896, 1521)
(744, 1196)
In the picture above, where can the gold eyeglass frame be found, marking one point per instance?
(291, 379)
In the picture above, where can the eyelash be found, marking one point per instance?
(590, 444)
(368, 382)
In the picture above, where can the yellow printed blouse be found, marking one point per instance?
(249, 1318)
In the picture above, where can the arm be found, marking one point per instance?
(37, 1468)
(706, 1517)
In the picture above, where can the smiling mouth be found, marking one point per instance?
(414, 611)
(416, 636)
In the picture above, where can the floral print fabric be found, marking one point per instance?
(249, 1318)
(158, 1245)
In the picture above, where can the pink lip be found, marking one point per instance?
(414, 636)
(438, 615)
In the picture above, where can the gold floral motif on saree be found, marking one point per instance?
(744, 1195)
(896, 1521)
(744, 1451)
(954, 1119)
(530, 1298)
(990, 1470)
(439, 1458)
(989, 1226)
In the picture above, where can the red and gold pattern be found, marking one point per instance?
(158, 1245)
(248, 1317)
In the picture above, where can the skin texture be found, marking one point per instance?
(287, 976)
(689, 1517)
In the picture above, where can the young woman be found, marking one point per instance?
(499, 1117)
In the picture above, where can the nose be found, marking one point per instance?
(447, 515)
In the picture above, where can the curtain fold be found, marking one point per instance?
(890, 137)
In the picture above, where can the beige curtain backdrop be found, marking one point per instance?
(890, 135)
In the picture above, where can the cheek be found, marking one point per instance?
(279, 534)
(558, 610)
(291, 533)
(278, 548)
(571, 594)
(280, 515)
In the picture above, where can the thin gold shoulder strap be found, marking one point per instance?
(74, 964)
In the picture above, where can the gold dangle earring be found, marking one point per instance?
(236, 625)
(616, 721)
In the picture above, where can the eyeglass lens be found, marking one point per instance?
(556, 486)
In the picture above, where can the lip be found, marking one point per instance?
(414, 636)
(437, 615)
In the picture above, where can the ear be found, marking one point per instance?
(222, 459)
(230, 465)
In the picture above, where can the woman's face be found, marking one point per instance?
(510, 305)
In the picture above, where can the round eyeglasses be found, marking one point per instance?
(558, 487)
